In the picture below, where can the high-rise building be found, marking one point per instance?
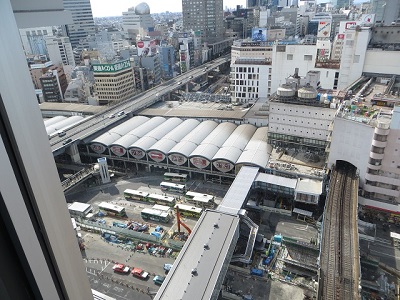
(59, 50)
(167, 57)
(204, 15)
(83, 24)
(386, 11)
(38, 246)
(137, 21)
(54, 84)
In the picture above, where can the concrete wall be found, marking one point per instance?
(351, 141)
(384, 62)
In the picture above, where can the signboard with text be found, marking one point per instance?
(109, 68)
(177, 159)
(324, 29)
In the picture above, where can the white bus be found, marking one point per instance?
(161, 199)
(189, 211)
(113, 209)
(155, 215)
(200, 200)
(163, 208)
(175, 177)
(135, 195)
(173, 187)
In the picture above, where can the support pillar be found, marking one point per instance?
(72, 151)
(187, 87)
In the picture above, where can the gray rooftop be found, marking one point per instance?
(210, 262)
(277, 180)
(237, 193)
(309, 186)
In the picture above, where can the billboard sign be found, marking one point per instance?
(324, 29)
(177, 159)
(118, 150)
(223, 165)
(137, 153)
(259, 34)
(199, 162)
(98, 148)
(367, 18)
(109, 68)
(146, 48)
(156, 156)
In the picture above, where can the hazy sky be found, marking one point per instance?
(105, 8)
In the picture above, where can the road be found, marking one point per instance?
(90, 125)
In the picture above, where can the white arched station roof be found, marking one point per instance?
(63, 124)
(100, 143)
(190, 142)
(173, 137)
(211, 144)
(139, 148)
(233, 147)
(120, 146)
(53, 120)
(257, 151)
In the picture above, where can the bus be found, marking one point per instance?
(160, 199)
(155, 215)
(175, 177)
(113, 209)
(163, 208)
(189, 211)
(200, 200)
(135, 195)
(173, 187)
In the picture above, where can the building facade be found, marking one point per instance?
(204, 15)
(114, 82)
(60, 50)
(83, 23)
(137, 22)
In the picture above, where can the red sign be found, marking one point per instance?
(157, 156)
(349, 24)
(340, 36)
(140, 44)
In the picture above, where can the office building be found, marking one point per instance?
(60, 50)
(33, 40)
(83, 24)
(386, 11)
(137, 22)
(167, 61)
(114, 81)
(204, 15)
(39, 251)
(54, 84)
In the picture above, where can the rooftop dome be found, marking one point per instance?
(142, 9)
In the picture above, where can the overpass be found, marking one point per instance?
(101, 121)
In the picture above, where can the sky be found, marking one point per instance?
(108, 8)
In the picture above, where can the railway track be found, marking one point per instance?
(338, 262)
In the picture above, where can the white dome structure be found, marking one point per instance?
(142, 9)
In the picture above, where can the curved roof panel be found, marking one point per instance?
(194, 138)
(235, 144)
(63, 124)
(137, 133)
(211, 144)
(53, 120)
(173, 137)
(257, 151)
(156, 134)
(117, 132)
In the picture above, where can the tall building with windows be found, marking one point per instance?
(137, 22)
(59, 50)
(34, 39)
(204, 15)
(82, 17)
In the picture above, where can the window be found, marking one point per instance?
(356, 59)
(289, 56)
(307, 57)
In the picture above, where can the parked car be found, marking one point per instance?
(120, 268)
(158, 279)
(139, 273)
(167, 267)
(67, 141)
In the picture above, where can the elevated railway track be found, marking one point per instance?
(339, 260)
